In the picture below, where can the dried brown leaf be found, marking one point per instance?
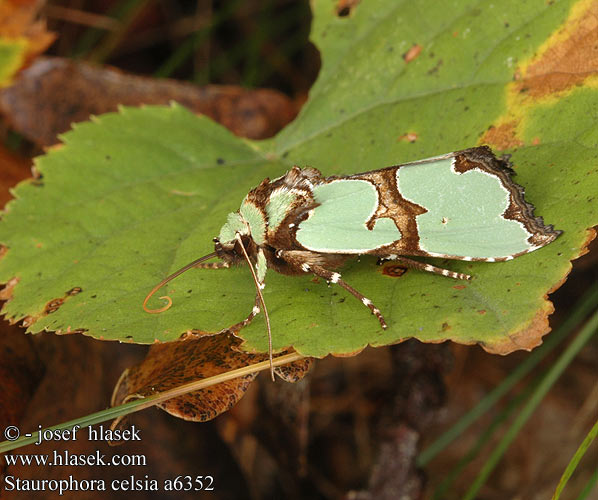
(52, 94)
(173, 364)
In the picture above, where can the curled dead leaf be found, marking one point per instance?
(293, 372)
(173, 364)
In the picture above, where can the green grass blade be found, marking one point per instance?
(186, 48)
(551, 377)
(591, 485)
(586, 304)
(583, 447)
(442, 489)
(104, 49)
(92, 36)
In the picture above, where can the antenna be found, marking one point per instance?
(261, 297)
(169, 278)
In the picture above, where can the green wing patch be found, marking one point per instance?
(338, 224)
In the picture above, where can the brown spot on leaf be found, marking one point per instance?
(527, 338)
(459, 287)
(352, 353)
(569, 56)
(531, 336)
(345, 7)
(502, 136)
(445, 327)
(6, 292)
(79, 330)
(482, 311)
(567, 59)
(408, 137)
(412, 53)
(27, 321)
(394, 270)
(590, 235)
(68, 331)
(74, 291)
(53, 305)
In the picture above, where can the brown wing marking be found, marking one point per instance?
(393, 206)
(518, 210)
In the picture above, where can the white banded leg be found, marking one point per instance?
(334, 277)
(254, 312)
(220, 264)
(422, 266)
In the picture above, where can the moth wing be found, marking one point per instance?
(473, 209)
(338, 224)
(461, 205)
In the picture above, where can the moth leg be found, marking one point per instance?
(213, 265)
(333, 277)
(422, 266)
(254, 312)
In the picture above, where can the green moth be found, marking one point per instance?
(461, 205)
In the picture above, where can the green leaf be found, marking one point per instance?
(133, 196)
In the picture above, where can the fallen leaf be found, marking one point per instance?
(173, 364)
(52, 94)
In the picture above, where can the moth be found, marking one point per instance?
(462, 205)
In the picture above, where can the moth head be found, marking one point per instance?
(230, 251)
(227, 246)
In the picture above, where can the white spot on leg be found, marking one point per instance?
(509, 257)
(291, 225)
(446, 273)
(366, 301)
(256, 310)
(491, 259)
(335, 277)
(305, 267)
